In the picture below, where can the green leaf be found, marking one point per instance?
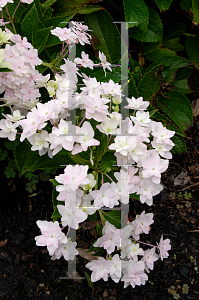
(134, 196)
(46, 12)
(173, 44)
(171, 65)
(136, 75)
(92, 217)
(12, 145)
(3, 154)
(5, 70)
(174, 31)
(99, 229)
(195, 11)
(159, 53)
(31, 23)
(136, 11)
(41, 37)
(192, 47)
(107, 33)
(150, 84)
(88, 9)
(163, 4)
(28, 160)
(180, 145)
(102, 148)
(60, 21)
(186, 5)
(154, 32)
(112, 217)
(181, 86)
(49, 2)
(183, 73)
(88, 278)
(177, 131)
(178, 108)
(54, 182)
(133, 92)
(56, 215)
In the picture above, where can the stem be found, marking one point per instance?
(144, 243)
(62, 49)
(109, 178)
(102, 178)
(15, 10)
(53, 123)
(82, 121)
(11, 20)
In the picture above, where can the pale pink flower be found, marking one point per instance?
(74, 176)
(99, 268)
(134, 273)
(104, 63)
(149, 258)
(51, 235)
(84, 61)
(142, 223)
(164, 246)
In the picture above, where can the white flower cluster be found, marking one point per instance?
(19, 86)
(129, 268)
(146, 144)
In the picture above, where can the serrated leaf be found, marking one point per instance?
(195, 11)
(60, 21)
(49, 2)
(3, 154)
(180, 145)
(178, 108)
(173, 44)
(41, 37)
(149, 85)
(177, 130)
(112, 217)
(163, 4)
(28, 160)
(192, 48)
(136, 11)
(181, 86)
(132, 63)
(133, 92)
(136, 75)
(170, 65)
(12, 145)
(159, 53)
(174, 31)
(186, 5)
(89, 9)
(148, 47)
(154, 32)
(31, 23)
(107, 33)
(183, 73)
